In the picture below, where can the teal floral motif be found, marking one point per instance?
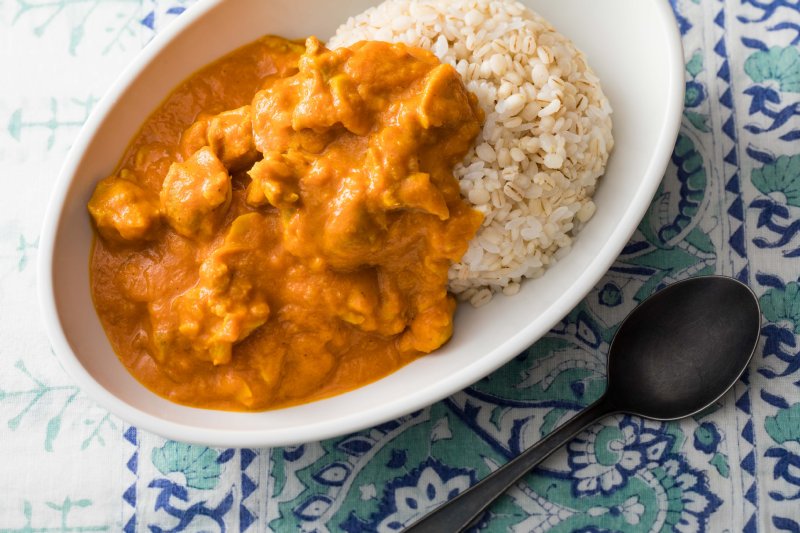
(780, 305)
(631, 511)
(17, 124)
(783, 305)
(605, 458)
(697, 120)
(720, 462)
(778, 64)
(197, 463)
(784, 426)
(696, 94)
(707, 439)
(610, 295)
(784, 429)
(122, 19)
(34, 395)
(24, 248)
(65, 511)
(625, 475)
(414, 495)
(695, 64)
(689, 499)
(693, 180)
(97, 433)
(669, 244)
(782, 176)
(184, 497)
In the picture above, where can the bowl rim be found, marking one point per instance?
(468, 375)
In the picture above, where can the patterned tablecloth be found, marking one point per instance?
(730, 204)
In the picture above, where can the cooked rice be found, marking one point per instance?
(546, 140)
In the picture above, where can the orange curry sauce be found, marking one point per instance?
(281, 228)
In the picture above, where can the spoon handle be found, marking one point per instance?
(459, 512)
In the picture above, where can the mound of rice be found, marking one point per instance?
(546, 140)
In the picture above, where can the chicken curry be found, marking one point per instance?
(281, 228)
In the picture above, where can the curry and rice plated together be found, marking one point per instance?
(296, 220)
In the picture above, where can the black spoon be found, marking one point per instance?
(674, 356)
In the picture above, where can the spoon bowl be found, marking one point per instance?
(675, 355)
(682, 349)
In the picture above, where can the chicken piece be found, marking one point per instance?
(151, 164)
(326, 100)
(255, 196)
(417, 192)
(372, 304)
(273, 182)
(430, 328)
(196, 194)
(272, 118)
(351, 233)
(194, 137)
(315, 108)
(437, 108)
(225, 306)
(123, 211)
(230, 135)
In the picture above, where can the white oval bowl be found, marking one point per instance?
(634, 47)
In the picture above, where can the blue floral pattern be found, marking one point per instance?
(729, 204)
(603, 457)
(408, 498)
